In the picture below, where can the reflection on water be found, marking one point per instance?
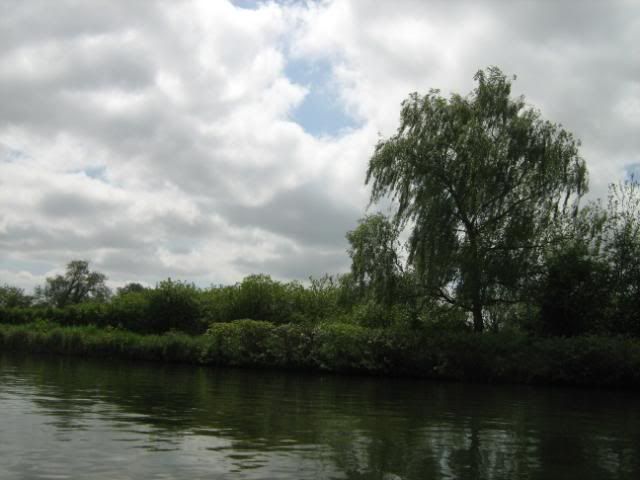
(72, 418)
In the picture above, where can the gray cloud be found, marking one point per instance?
(41, 240)
(27, 23)
(300, 264)
(306, 213)
(73, 204)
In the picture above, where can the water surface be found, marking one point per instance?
(72, 418)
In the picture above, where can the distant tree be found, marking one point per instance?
(13, 297)
(77, 285)
(132, 287)
(376, 266)
(478, 179)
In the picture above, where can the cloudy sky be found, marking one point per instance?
(209, 139)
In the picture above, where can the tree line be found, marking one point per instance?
(488, 194)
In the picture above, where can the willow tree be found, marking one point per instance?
(375, 262)
(478, 179)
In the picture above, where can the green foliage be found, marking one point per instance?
(132, 287)
(344, 348)
(584, 360)
(77, 285)
(262, 298)
(291, 346)
(325, 297)
(241, 342)
(590, 281)
(442, 317)
(172, 305)
(375, 262)
(47, 337)
(80, 314)
(574, 293)
(621, 249)
(131, 310)
(369, 314)
(13, 297)
(19, 315)
(223, 303)
(490, 357)
(183, 307)
(372, 314)
(479, 179)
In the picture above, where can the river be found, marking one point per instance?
(63, 417)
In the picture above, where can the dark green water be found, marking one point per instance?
(71, 418)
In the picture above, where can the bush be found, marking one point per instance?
(344, 348)
(369, 314)
(19, 315)
(241, 342)
(174, 306)
(257, 297)
(88, 313)
(574, 295)
(131, 311)
(291, 346)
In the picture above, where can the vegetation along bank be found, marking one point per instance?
(504, 357)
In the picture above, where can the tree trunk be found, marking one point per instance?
(476, 285)
(478, 322)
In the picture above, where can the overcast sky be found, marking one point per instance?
(207, 140)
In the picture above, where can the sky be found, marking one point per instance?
(206, 140)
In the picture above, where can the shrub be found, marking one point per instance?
(343, 347)
(131, 311)
(291, 346)
(89, 313)
(257, 297)
(19, 315)
(574, 294)
(369, 314)
(241, 342)
(174, 305)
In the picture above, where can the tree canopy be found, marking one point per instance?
(375, 263)
(478, 179)
(11, 296)
(77, 285)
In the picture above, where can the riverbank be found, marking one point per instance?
(504, 357)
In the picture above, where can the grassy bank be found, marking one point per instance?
(491, 358)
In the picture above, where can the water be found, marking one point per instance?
(71, 418)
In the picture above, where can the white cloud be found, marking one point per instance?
(572, 61)
(20, 278)
(155, 138)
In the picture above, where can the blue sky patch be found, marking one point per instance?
(255, 4)
(320, 113)
(8, 154)
(247, 4)
(97, 172)
(632, 171)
